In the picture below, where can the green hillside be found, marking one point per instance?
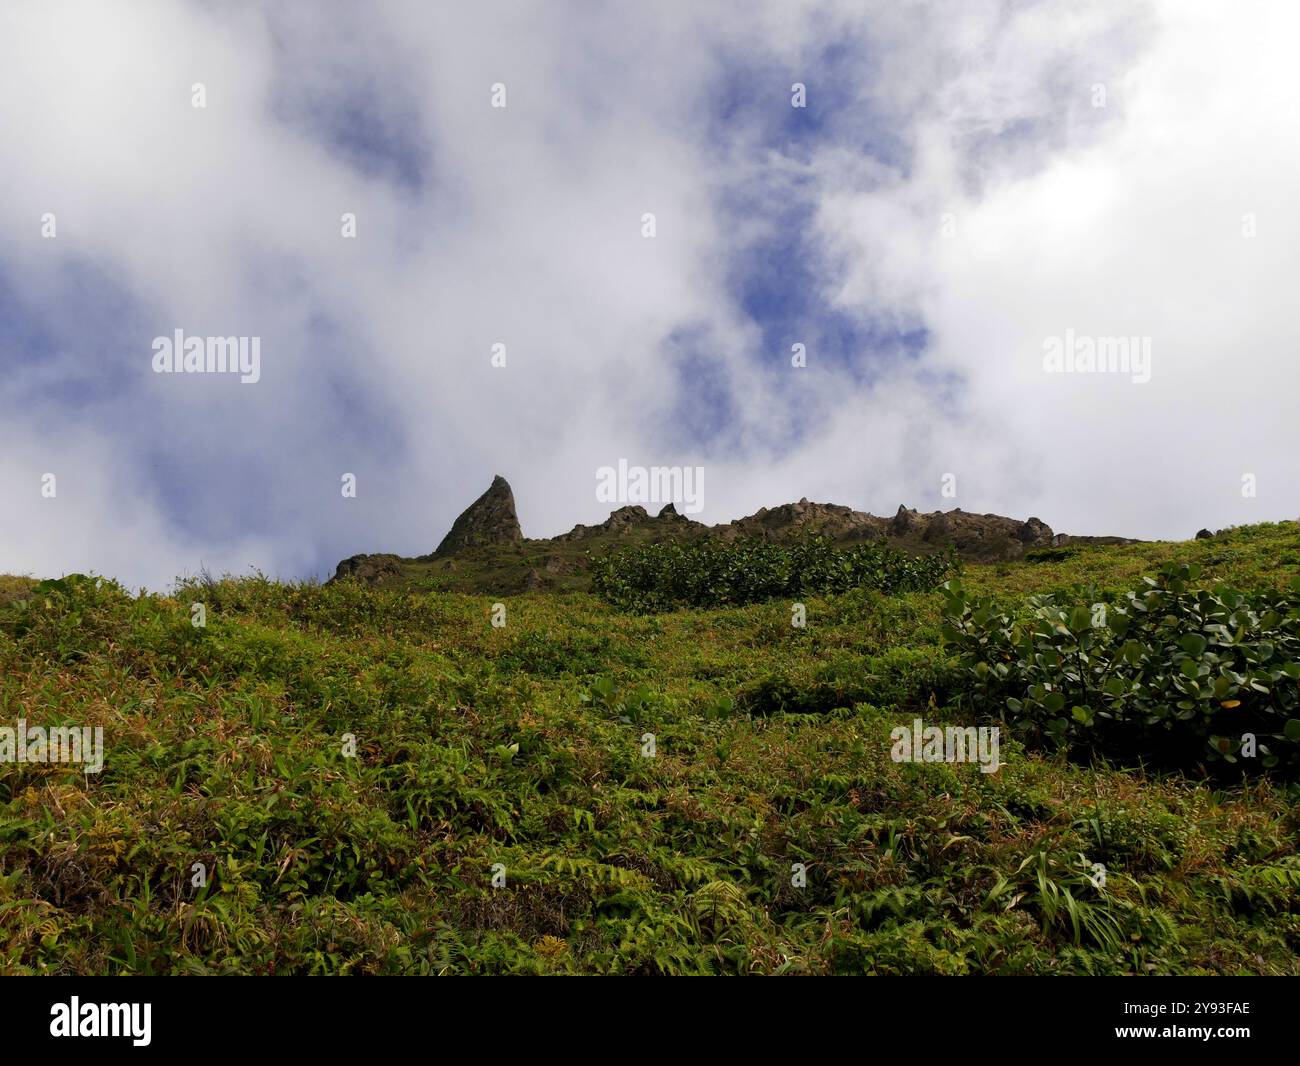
(693, 791)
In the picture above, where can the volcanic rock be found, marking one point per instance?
(490, 519)
(369, 569)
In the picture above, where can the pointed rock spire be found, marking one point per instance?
(906, 521)
(490, 519)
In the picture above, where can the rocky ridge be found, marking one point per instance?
(486, 546)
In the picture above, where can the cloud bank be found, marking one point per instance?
(965, 182)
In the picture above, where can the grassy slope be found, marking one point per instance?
(223, 747)
(503, 570)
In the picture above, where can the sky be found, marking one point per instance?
(967, 184)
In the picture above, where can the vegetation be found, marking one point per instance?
(691, 791)
(716, 573)
(1172, 673)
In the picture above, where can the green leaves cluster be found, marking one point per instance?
(1173, 672)
(714, 573)
(61, 610)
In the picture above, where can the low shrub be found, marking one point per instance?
(1175, 673)
(716, 573)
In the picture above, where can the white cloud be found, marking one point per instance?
(522, 226)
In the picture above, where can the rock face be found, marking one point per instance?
(1035, 532)
(490, 519)
(905, 522)
(795, 519)
(668, 513)
(975, 536)
(631, 517)
(369, 568)
(619, 521)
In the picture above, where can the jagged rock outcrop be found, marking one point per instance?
(669, 513)
(940, 529)
(792, 520)
(619, 521)
(973, 535)
(628, 518)
(907, 522)
(491, 519)
(1034, 532)
(369, 569)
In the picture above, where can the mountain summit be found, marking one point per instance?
(491, 519)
